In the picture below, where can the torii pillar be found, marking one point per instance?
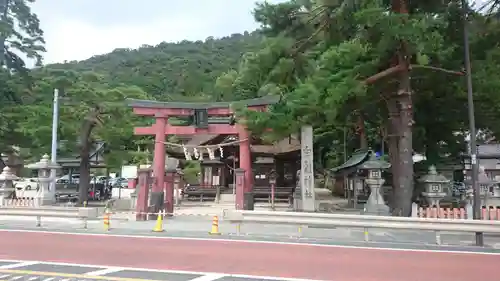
(159, 153)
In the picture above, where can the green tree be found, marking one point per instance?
(20, 33)
(90, 110)
(344, 64)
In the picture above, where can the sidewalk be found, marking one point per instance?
(199, 226)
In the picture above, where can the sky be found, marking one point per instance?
(80, 29)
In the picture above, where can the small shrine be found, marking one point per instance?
(349, 178)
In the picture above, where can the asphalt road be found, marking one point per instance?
(191, 259)
(49, 271)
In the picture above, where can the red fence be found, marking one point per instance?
(492, 213)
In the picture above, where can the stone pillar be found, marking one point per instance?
(159, 154)
(142, 190)
(7, 185)
(307, 170)
(169, 191)
(240, 188)
(376, 204)
(245, 157)
(179, 186)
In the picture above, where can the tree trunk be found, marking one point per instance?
(83, 193)
(85, 147)
(363, 140)
(403, 194)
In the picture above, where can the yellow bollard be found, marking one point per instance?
(215, 226)
(159, 223)
(106, 221)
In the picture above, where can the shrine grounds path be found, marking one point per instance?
(75, 255)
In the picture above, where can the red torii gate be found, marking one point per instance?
(200, 112)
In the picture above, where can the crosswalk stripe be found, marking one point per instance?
(208, 277)
(16, 265)
(104, 271)
(16, 278)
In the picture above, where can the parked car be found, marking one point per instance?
(120, 182)
(99, 180)
(26, 183)
(75, 178)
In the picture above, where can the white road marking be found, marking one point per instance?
(104, 271)
(33, 278)
(4, 276)
(49, 279)
(20, 264)
(258, 277)
(374, 248)
(16, 278)
(208, 277)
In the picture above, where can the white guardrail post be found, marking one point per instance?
(83, 213)
(364, 222)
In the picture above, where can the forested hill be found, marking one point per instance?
(184, 70)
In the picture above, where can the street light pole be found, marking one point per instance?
(472, 125)
(53, 152)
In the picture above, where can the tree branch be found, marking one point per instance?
(389, 71)
(303, 43)
(461, 73)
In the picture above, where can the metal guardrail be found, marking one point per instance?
(83, 213)
(365, 222)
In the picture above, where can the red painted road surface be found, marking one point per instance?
(313, 262)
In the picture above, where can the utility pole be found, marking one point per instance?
(472, 125)
(53, 152)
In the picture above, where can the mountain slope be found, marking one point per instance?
(171, 71)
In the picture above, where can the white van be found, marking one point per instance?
(75, 178)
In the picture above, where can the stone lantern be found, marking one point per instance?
(374, 167)
(434, 185)
(46, 196)
(7, 188)
(485, 187)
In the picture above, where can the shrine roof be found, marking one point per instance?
(266, 100)
(357, 158)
